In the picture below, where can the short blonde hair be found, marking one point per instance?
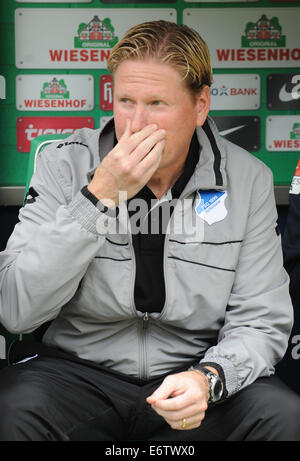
(170, 43)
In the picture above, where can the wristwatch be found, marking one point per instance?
(215, 384)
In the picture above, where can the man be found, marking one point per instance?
(165, 335)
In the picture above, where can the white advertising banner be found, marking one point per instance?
(283, 133)
(2, 87)
(54, 92)
(218, 1)
(53, 1)
(235, 92)
(248, 37)
(75, 38)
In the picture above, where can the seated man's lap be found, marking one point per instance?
(51, 398)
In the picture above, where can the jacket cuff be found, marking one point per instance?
(85, 212)
(94, 217)
(89, 195)
(226, 370)
(221, 375)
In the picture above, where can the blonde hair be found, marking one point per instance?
(170, 43)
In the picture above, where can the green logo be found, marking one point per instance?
(295, 133)
(56, 89)
(263, 33)
(95, 34)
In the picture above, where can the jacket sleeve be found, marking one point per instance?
(49, 251)
(259, 313)
(291, 246)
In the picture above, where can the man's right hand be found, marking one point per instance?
(129, 165)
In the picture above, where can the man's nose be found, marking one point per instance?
(139, 118)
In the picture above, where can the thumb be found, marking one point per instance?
(163, 392)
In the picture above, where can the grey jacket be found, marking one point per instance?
(227, 298)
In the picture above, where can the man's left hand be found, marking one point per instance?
(181, 399)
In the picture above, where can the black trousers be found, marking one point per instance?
(55, 398)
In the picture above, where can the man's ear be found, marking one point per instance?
(203, 104)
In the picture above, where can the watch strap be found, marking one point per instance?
(211, 376)
(221, 374)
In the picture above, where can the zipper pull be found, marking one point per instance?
(145, 320)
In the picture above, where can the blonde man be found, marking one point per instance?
(161, 329)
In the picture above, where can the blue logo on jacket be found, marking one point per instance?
(211, 206)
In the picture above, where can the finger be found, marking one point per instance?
(151, 161)
(132, 140)
(149, 164)
(175, 415)
(160, 394)
(187, 423)
(127, 131)
(164, 391)
(175, 404)
(128, 128)
(147, 145)
(178, 407)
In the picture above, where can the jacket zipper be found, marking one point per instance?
(143, 349)
(142, 322)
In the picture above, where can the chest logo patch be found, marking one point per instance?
(211, 207)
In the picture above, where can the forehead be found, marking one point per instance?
(147, 73)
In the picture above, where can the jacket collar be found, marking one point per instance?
(105, 144)
(210, 172)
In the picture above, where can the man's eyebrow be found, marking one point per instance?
(122, 94)
(151, 97)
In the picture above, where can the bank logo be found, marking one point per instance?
(56, 89)
(235, 92)
(221, 91)
(263, 33)
(225, 91)
(96, 34)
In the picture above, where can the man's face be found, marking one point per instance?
(146, 92)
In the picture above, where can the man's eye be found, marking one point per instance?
(157, 103)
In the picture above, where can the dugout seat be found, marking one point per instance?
(11, 344)
(36, 147)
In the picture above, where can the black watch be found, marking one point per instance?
(216, 387)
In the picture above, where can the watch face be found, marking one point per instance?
(217, 390)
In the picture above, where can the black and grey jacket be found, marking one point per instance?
(227, 297)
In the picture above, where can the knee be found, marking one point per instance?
(19, 408)
(285, 416)
(10, 410)
(279, 412)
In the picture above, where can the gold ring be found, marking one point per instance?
(183, 424)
